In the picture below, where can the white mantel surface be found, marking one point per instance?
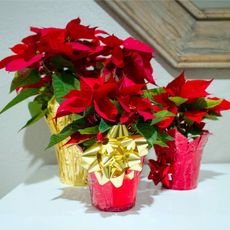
(43, 203)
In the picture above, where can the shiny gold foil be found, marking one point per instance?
(68, 157)
(118, 157)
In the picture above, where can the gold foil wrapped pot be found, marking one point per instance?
(68, 157)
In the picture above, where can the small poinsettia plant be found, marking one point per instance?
(190, 103)
(177, 164)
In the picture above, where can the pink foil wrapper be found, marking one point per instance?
(184, 158)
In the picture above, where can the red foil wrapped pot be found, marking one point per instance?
(177, 166)
(109, 198)
(114, 168)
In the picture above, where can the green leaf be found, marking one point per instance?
(89, 130)
(178, 100)
(212, 103)
(34, 107)
(63, 84)
(36, 112)
(211, 117)
(160, 116)
(195, 132)
(65, 132)
(205, 103)
(34, 119)
(162, 139)
(149, 93)
(60, 62)
(150, 133)
(104, 126)
(166, 137)
(160, 143)
(56, 138)
(118, 106)
(43, 100)
(77, 116)
(88, 111)
(90, 142)
(20, 97)
(24, 78)
(157, 91)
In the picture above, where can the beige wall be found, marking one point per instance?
(22, 153)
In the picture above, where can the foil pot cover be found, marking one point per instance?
(182, 158)
(109, 198)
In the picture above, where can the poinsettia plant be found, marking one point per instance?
(190, 103)
(50, 62)
(97, 77)
(177, 164)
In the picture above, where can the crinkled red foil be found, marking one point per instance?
(109, 198)
(184, 158)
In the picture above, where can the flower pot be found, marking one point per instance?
(68, 157)
(180, 161)
(114, 167)
(109, 198)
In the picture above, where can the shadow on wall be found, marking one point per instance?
(36, 139)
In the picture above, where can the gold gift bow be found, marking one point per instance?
(119, 157)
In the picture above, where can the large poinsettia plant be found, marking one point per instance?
(96, 76)
(190, 103)
(51, 61)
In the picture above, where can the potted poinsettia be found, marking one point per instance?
(177, 165)
(50, 62)
(117, 136)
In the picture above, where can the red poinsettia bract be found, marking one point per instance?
(129, 58)
(48, 42)
(189, 100)
(103, 96)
